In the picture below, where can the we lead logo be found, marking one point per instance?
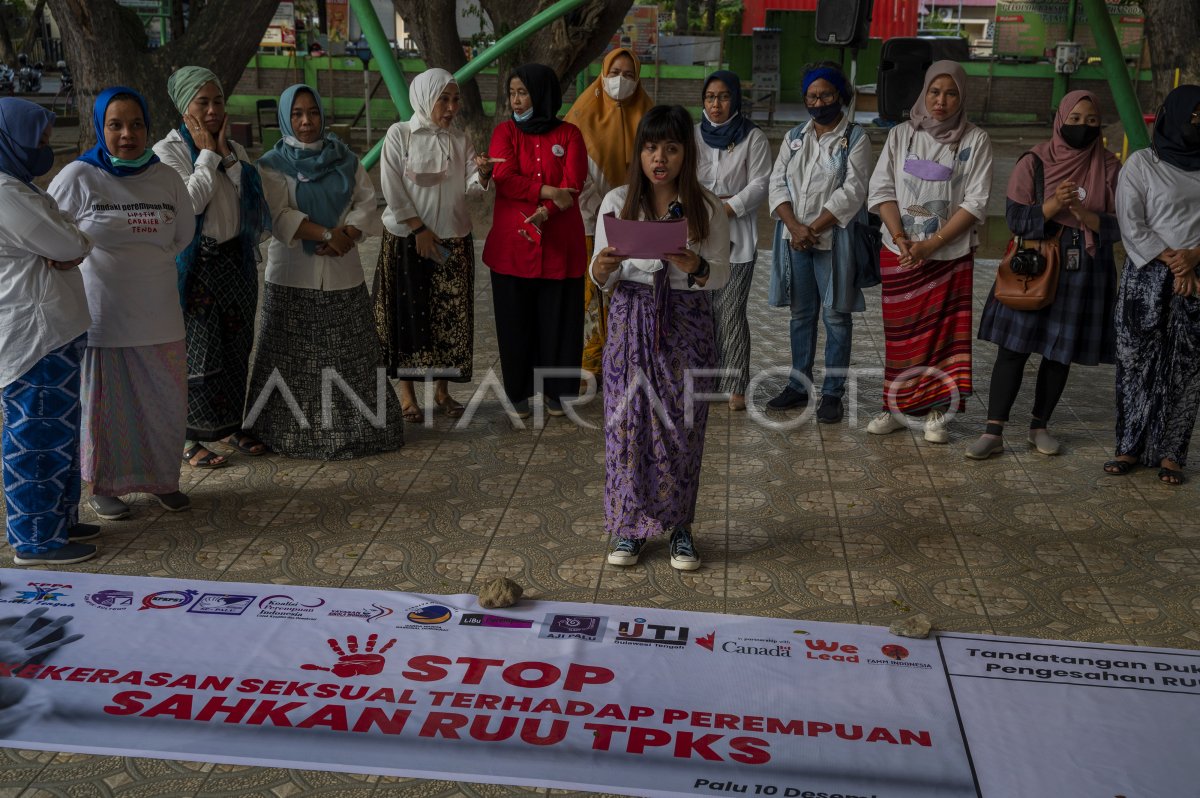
(639, 632)
(832, 651)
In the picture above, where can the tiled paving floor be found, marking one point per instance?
(819, 522)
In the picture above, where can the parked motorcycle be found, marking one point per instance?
(8, 80)
(29, 76)
(64, 71)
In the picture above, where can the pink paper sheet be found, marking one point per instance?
(652, 240)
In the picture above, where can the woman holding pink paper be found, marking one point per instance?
(536, 248)
(660, 340)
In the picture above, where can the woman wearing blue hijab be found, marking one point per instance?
(138, 215)
(41, 344)
(734, 161)
(317, 333)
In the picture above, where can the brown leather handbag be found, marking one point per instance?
(1028, 275)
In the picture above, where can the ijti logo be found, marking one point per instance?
(222, 604)
(110, 599)
(370, 614)
(576, 627)
(284, 606)
(44, 594)
(168, 600)
(640, 632)
(493, 621)
(832, 651)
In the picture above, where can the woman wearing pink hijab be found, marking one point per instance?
(930, 187)
(1079, 183)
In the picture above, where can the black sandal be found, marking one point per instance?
(1119, 468)
(1171, 476)
(246, 443)
(210, 460)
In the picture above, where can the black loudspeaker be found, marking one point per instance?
(902, 66)
(844, 23)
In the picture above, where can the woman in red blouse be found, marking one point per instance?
(536, 247)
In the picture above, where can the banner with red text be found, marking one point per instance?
(575, 696)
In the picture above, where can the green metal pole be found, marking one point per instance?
(1062, 81)
(383, 54)
(1118, 77)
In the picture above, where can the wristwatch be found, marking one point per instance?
(327, 235)
(699, 274)
(229, 160)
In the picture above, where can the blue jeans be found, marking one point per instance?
(812, 282)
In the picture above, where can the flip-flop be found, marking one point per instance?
(210, 460)
(1119, 468)
(1171, 476)
(451, 408)
(412, 414)
(246, 444)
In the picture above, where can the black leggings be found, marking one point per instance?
(1006, 384)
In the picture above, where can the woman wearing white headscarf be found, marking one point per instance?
(425, 279)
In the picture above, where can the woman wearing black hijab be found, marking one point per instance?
(536, 249)
(1158, 311)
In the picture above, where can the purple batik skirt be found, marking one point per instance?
(652, 449)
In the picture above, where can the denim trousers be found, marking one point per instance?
(812, 284)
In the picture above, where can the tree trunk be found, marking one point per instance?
(681, 17)
(710, 18)
(34, 29)
(107, 44)
(1172, 30)
(7, 56)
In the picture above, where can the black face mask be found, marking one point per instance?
(1079, 136)
(824, 114)
(1191, 136)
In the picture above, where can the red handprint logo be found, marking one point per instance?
(351, 662)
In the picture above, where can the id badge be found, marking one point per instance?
(1073, 258)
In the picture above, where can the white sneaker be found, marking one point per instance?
(885, 423)
(935, 427)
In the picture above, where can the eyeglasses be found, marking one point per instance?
(724, 97)
(825, 97)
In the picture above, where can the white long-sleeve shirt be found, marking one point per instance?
(714, 249)
(214, 193)
(137, 225)
(809, 178)
(926, 205)
(40, 308)
(288, 264)
(441, 207)
(740, 178)
(1158, 207)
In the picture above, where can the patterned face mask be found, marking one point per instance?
(928, 170)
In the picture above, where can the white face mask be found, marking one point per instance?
(619, 87)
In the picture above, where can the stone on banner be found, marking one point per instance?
(500, 592)
(915, 626)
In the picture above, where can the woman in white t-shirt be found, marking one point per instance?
(43, 317)
(138, 215)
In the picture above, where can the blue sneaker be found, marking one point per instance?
(683, 550)
(626, 551)
(67, 554)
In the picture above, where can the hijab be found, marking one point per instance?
(1093, 168)
(951, 129)
(545, 94)
(186, 82)
(99, 156)
(609, 126)
(429, 145)
(733, 130)
(22, 124)
(324, 171)
(1170, 125)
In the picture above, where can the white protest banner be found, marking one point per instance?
(619, 699)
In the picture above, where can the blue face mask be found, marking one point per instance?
(136, 163)
(523, 116)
